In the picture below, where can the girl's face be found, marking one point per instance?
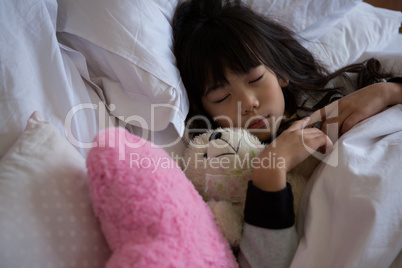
(253, 101)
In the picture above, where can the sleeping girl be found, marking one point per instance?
(243, 70)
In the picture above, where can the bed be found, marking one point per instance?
(69, 69)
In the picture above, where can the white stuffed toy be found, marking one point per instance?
(220, 163)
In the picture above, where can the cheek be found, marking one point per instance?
(225, 122)
(209, 109)
(276, 95)
(223, 115)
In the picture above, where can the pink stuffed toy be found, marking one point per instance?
(150, 213)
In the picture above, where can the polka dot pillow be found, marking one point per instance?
(46, 218)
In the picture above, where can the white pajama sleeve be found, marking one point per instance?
(260, 247)
(269, 236)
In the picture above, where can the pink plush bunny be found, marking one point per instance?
(150, 213)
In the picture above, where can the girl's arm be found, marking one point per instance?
(341, 115)
(255, 251)
(269, 238)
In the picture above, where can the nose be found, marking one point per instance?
(249, 101)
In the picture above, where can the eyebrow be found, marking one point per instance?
(213, 88)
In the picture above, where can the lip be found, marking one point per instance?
(259, 123)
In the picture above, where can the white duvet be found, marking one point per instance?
(353, 213)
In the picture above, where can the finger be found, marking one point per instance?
(331, 127)
(318, 142)
(323, 114)
(316, 117)
(299, 124)
(328, 147)
(311, 132)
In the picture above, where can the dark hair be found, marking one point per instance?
(210, 37)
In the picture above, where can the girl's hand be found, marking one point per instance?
(341, 115)
(288, 150)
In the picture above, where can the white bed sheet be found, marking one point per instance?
(351, 215)
(36, 75)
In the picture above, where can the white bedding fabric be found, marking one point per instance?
(353, 211)
(46, 216)
(37, 74)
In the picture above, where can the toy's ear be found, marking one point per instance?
(149, 211)
(195, 160)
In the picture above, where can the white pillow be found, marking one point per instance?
(46, 218)
(364, 28)
(127, 45)
(309, 18)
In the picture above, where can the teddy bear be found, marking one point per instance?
(220, 163)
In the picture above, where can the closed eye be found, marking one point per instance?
(220, 100)
(255, 80)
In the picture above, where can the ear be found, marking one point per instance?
(283, 82)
